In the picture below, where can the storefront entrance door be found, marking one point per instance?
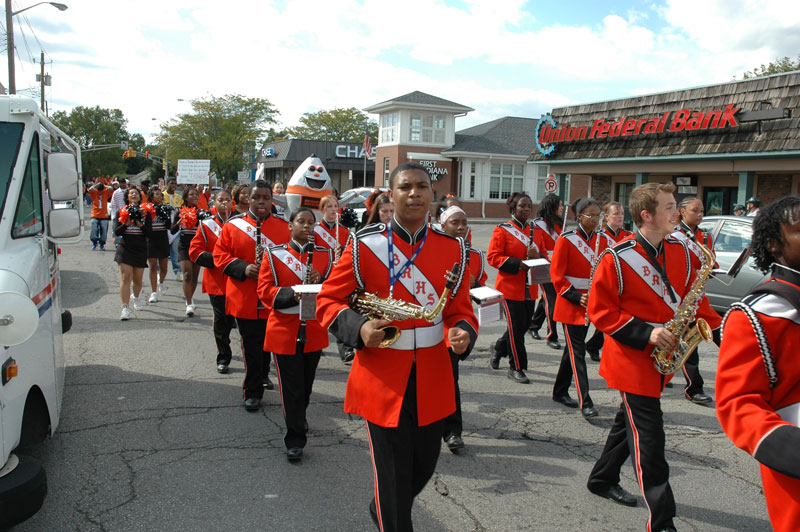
(719, 200)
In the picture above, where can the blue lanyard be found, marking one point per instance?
(392, 277)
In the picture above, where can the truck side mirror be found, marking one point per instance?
(62, 177)
(63, 223)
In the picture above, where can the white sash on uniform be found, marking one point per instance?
(541, 224)
(519, 235)
(212, 225)
(326, 236)
(250, 230)
(691, 244)
(582, 245)
(648, 273)
(290, 261)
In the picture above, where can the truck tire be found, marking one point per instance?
(22, 491)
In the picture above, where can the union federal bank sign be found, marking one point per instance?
(549, 133)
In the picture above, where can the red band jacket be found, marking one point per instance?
(235, 250)
(201, 252)
(508, 247)
(378, 377)
(544, 238)
(758, 392)
(628, 300)
(283, 267)
(477, 267)
(573, 258)
(325, 234)
(617, 236)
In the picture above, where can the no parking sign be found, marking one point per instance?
(550, 184)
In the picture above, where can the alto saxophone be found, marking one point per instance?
(669, 362)
(379, 308)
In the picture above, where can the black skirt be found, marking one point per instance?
(158, 245)
(136, 257)
(183, 246)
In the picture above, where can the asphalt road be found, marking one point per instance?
(152, 438)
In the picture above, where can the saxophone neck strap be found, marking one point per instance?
(660, 267)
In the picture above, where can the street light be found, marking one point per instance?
(12, 84)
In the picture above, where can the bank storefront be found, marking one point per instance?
(722, 143)
(344, 161)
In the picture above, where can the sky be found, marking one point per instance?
(500, 57)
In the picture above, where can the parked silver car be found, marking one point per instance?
(731, 234)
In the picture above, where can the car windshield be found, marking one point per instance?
(10, 138)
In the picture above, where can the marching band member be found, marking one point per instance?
(403, 391)
(158, 245)
(453, 221)
(690, 215)
(758, 377)
(613, 217)
(235, 253)
(329, 232)
(547, 227)
(511, 243)
(655, 274)
(186, 221)
(571, 268)
(296, 344)
(201, 251)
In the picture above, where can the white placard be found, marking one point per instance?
(489, 313)
(539, 272)
(308, 300)
(193, 171)
(307, 288)
(481, 294)
(243, 176)
(489, 303)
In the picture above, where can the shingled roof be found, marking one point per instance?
(509, 135)
(772, 92)
(420, 99)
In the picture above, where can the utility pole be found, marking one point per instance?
(12, 85)
(42, 80)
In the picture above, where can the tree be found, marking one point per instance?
(94, 126)
(346, 125)
(780, 65)
(224, 130)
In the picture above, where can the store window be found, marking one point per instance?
(540, 173)
(389, 123)
(426, 129)
(505, 179)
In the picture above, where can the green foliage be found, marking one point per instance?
(224, 130)
(346, 125)
(93, 126)
(780, 65)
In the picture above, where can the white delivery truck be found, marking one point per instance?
(39, 166)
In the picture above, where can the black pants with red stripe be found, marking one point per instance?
(573, 362)
(544, 310)
(295, 379)
(222, 326)
(453, 424)
(512, 343)
(256, 360)
(638, 431)
(595, 343)
(404, 459)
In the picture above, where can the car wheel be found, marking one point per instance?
(22, 491)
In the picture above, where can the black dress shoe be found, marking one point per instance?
(700, 398)
(594, 355)
(616, 494)
(518, 375)
(454, 442)
(222, 368)
(251, 404)
(554, 345)
(294, 454)
(534, 334)
(268, 383)
(668, 385)
(566, 400)
(589, 411)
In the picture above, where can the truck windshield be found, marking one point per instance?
(10, 138)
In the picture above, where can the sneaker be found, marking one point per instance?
(102, 247)
(94, 247)
(190, 310)
(126, 313)
(179, 276)
(162, 288)
(153, 298)
(137, 304)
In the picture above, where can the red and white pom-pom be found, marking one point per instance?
(188, 217)
(123, 215)
(148, 207)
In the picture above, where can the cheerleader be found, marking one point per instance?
(201, 252)
(186, 221)
(453, 221)
(573, 258)
(296, 344)
(132, 224)
(158, 244)
(613, 216)
(547, 227)
(511, 243)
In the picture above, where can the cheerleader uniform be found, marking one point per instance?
(186, 222)
(545, 239)
(132, 248)
(158, 241)
(296, 344)
(507, 249)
